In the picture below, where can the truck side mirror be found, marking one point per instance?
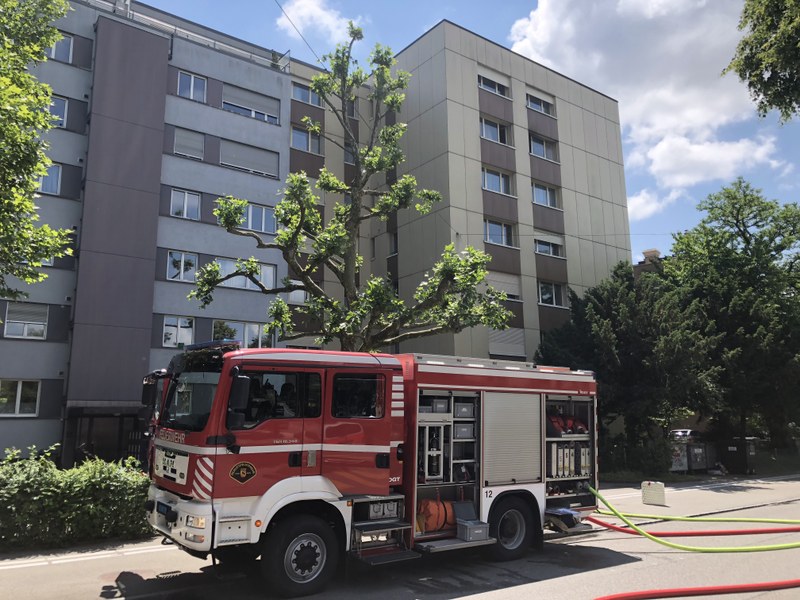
(240, 393)
(149, 393)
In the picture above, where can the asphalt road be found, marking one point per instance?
(586, 566)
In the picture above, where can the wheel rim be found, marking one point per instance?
(305, 558)
(511, 529)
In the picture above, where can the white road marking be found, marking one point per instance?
(23, 564)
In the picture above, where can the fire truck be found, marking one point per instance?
(302, 457)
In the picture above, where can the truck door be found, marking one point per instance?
(356, 431)
(270, 440)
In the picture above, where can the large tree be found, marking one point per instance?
(364, 313)
(650, 350)
(26, 32)
(767, 58)
(742, 263)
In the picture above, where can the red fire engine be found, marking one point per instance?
(302, 456)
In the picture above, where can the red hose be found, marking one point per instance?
(695, 533)
(705, 591)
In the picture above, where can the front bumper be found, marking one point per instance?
(188, 523)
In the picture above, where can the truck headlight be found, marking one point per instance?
(196, 522)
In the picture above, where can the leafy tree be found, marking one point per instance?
(649, 349)
(366, 315)
(25, 34)
(767, 58)
(742, 263)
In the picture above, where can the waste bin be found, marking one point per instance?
(737, 461)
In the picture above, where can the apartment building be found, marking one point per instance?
(529, 163)
(160, 116)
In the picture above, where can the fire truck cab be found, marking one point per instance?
(301, 456)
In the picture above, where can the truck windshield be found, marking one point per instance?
(189, 399)
(193, 379)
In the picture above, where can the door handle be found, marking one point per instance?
(295, 459)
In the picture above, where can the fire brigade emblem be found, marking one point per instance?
(243, 472)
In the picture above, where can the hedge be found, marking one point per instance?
(42, 506)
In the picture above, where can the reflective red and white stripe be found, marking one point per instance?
(203, 478)
(398, 402)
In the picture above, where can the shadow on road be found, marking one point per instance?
(445, 576)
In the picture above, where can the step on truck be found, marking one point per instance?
(303, 457)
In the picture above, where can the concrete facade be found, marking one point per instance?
(163, 116)
(452, 119)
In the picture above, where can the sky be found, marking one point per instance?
(687, 131)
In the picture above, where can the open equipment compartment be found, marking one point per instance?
(570, 463)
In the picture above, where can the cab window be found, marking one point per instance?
(282, 395)
(357, 395)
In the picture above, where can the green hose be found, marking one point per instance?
(663, 542)
(710, 519)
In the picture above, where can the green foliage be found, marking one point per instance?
(366, 314)
(650, 351)
(767, 58)
(26, 32)
(741, 264)
(42, 506)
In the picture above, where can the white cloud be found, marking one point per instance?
(677, 161)
(314, 17)
(648, 203)
(662, 60)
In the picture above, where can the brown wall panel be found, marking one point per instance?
(545, 171)
(552, 318)
(505, 260)
(301, 109)
(543, 124)
(305, 161)
(498, 155)
(501, 207)
(551, 268)
(496, 105)
(549, 219)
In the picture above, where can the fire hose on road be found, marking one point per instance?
(707, 590)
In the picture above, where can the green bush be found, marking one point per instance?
(654, 456)
(42, 506)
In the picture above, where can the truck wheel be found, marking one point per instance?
(299, 556)
(511, 526)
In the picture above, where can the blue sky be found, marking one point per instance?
(686, 130)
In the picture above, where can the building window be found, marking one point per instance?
(251, 112)
(181, 266)
(542, 106)
(352, 108)
(496, 182)
(25, 320)
(493, 86)
(305, 94)
(250, 334)
(249, 158)
(549, 248)
(228, 266)
(251, 104)
(185, 205)
(178, 331)
(58, 108)
(393, 243)
(306, 141)
(544, 195)
(191, 87)
(189, 143)
(19, 398)
(544, 148)
(297, 296)
(551, 294)
(497, 132)
(51, 182)
(62, 50)
(349, 154)
(498, 233)
(260, 218)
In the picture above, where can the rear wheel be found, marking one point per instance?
(299, 556)
(511, 525)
